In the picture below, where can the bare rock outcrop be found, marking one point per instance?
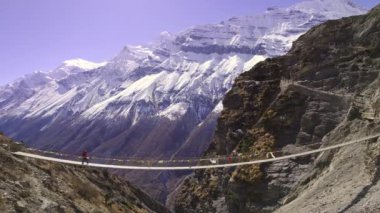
(28, 185)
(332, 97)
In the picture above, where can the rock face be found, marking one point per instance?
(324, 91)
(158, 100)
(28, 185)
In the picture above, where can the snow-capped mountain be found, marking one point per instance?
(154, 100)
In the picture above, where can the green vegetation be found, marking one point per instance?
(233, 198)
(244, 145)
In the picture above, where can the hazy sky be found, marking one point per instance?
(40, 34)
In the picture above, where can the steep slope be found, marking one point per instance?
(325, 90)
(35, 186)
(156, 100)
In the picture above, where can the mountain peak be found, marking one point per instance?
(155, 93)
(331, 9)
(83, 64)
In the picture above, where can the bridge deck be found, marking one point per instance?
(193, 167)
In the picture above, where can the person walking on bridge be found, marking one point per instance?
(85, 157)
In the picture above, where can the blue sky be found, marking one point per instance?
(40, 34)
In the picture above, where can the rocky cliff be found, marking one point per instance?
(28, 185)
(324, 91)
(156, 100)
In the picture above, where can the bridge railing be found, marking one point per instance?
(189, 162)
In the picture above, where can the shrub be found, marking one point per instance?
(245, 144)
(25, 193)
(353, 114)
(85, 190)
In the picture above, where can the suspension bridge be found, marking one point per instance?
(204, 163)
(184, 164)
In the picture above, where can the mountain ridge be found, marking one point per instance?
(333, 95)
(149, 101)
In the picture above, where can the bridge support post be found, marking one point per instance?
(270, 155)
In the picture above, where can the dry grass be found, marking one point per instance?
(259, 142)
(248, 174)
(85, 190)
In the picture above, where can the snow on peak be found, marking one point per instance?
(332, 9)
(190, 70)
(166, 34)
(134, 53)
(174, 111)
(83, 64)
